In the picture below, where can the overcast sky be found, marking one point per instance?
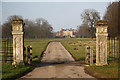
(58, 14)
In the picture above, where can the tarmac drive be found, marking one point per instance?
(57, 63)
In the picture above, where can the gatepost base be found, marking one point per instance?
(20, 63)
(101, 64)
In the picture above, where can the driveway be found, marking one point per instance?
(57, 63)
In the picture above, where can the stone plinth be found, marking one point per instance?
(17, 32)
(101, 42)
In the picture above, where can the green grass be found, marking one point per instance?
(108, 71)
(77, 47)
(38, 46)
(10, 72)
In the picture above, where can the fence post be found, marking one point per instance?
(24, 55)
(119, 51)
(4, 51)
(87, 54)
(91, 55)
(11, 53)
(7, 50)
(29, 54)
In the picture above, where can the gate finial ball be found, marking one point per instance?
(17, 21)
(101, 23)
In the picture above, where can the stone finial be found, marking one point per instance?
(101, 23)
(17, 25)
(101, 26)
(17, 21)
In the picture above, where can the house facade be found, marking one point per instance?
(67, 33)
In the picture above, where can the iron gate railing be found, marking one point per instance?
(113, 49)
(7, 50)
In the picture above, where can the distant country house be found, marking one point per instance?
(66, 33)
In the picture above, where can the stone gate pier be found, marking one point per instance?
(17, 32)
(101, 42)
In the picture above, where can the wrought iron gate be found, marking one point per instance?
(113, 49)
(7, 50)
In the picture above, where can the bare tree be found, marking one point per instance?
(90, 16)
(7, 28)
(29, 29)
(83, 31)
(112, 16)
(45, 28)
(11, 18)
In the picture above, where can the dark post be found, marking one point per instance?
(119, 51)
(119, 58)
(29, 54)
(24, 55)
(87, 54)
(109, 47)
(24, 48)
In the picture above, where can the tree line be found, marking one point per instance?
(112, 16)
(91, 16)
(40, 28)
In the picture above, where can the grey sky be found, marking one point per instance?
(58, 14)
(58, 0)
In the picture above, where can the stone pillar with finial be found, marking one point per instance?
(17, 32)
(101, 43)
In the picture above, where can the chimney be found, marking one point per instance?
(70, 29)
(61, 29)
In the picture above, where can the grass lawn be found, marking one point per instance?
(77, 47)
(9, 72)
(38, 46)
(108, 71)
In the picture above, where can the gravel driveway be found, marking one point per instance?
(56, 53)
(57, 63)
